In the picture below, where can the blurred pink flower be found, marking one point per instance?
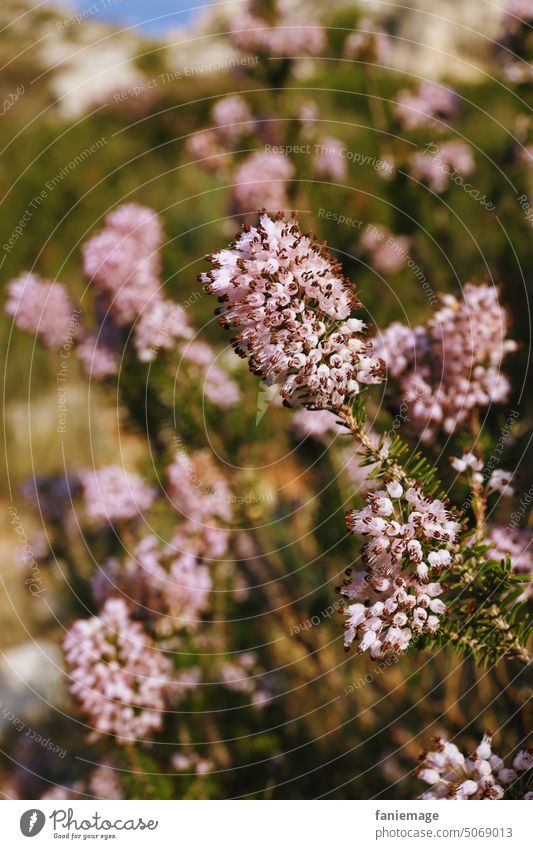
(114, 495)
(450, 158)
(232, 119)
(518, 544)
(260, 182)
(452, 365)
(120, 679)
(480, 775)
(198, 490)
(388, 253)
(328, 163)
(215, 383)
(431, 105)
(167, 584)
(123, 261)
(98, 359)
(253, 34)
(44, 308)
(158, 327)
(205, 149)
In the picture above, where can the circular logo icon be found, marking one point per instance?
(32, 822)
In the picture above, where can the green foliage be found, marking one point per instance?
(485, 619)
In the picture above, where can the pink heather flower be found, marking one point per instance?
(160, 324)
(518, 544)
(191, 763)
(518, 12)
(118, 676)
(198, 490)
(453, 363)
(199, 353)
(104, 782)
(320, 424)
(286, 295)
(123, 261)
(467, 461)
(368, 43)
(500, 481)
(253, 34)
(410, 540)
(481, 775)
(232, 119)
(435, 169)
(217, 386)
(430, 106)
(329, 163)
(219, 389)
(388, 253)
(114, 495)
(207, 542)
(397, 346)
(260, 181)
(243, 675)
(525, 155)
(44, 308)
(97, 358)
(131, 219)
(167, 583)
(205, 149)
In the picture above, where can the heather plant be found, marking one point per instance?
(284, 295)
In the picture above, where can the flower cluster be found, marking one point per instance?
(198, 490)
(260, 181)
(41, 307)
(388, 253)
(158, 328)
(104, 782)
(253, 34)
(99, 360)
(411, 541)
(165, 582)
(292, 306)
(518, 544)
(120, 679)
(452, 365)
(481, 775)
(243, 674)
(206, 150)
(319, 424)
(216, 385)
(436, 168)
(232, 119)
(519, 11)
(499, 480)
(432, 105)
(112, 494)
(328, 163)
(123, 261)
